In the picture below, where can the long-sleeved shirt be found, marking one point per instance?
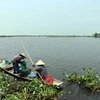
(42, 70)
(17, 59)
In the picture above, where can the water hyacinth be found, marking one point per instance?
(11, 89)
(89, 79)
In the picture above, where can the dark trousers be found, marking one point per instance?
(16, 68)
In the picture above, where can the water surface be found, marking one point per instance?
(60, 55)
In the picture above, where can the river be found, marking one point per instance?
(60, 54)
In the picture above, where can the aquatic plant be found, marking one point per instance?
(11, 89)
(89, 79)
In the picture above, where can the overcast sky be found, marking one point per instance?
(49, 17)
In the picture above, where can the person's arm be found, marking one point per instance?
(18, 59)
(37, 68)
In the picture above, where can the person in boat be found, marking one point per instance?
(16, 60)
(41, 69)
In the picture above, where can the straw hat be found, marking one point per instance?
(23, 54)
(40, 62)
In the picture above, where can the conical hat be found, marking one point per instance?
(23, 54)
(40, 62)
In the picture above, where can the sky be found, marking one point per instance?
(49, 17)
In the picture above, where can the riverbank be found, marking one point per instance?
(45, 36)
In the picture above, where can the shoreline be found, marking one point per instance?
(44, 36)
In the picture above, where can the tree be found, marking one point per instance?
(95, 35)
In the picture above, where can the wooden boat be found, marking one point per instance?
(8, 68)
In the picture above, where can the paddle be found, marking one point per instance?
(31, 61)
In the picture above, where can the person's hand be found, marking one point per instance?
(33, 65)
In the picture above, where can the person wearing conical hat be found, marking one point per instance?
(40, 68)
(16, 60)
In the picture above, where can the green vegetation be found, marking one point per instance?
(44, 36)
(89, 80)
(11, 89)
(96, 35)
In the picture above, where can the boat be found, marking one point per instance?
(7, 67)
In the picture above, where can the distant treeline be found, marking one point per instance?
(44, 36)
(96, 35)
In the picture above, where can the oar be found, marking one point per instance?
(31, 61)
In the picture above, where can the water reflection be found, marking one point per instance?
(75, 92)
(94, 96)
